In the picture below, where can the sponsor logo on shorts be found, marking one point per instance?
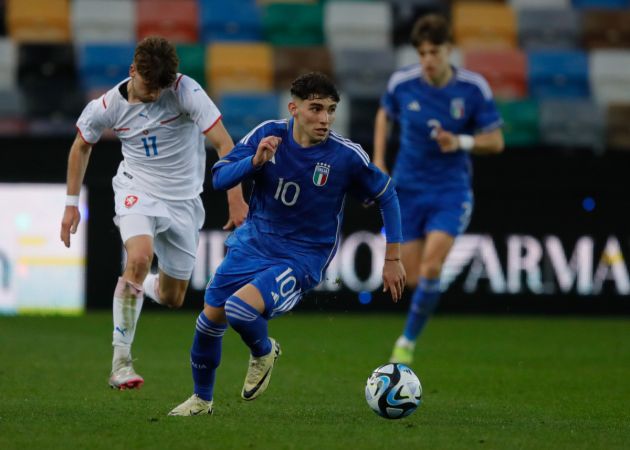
(131, 200)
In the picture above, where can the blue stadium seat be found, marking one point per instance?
(242, 112)
(556, 28)
(557, 74)
(230, 21)
(102, 66)
(601, 4)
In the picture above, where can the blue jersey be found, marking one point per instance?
(296, 206)
(464, 106)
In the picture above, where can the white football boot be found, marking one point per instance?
(125, 377)
(194, 406)
(259, 372)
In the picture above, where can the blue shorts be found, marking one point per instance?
(280, 282)
(423, 212)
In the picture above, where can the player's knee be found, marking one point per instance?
(431, 270)
(138, 264)
(238, 311)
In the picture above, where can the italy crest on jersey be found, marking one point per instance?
(457, 108)
(320, 175)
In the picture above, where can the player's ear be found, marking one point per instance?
(292, 107)
(132, 70)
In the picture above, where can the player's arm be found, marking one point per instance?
(485, 143)
(243, 162)
(220, 139)
(77, 164)
(394, 276)
(381, 129)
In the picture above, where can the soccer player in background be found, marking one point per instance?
(161, 118)
(444, 114)
(302, 171)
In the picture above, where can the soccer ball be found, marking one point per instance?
(393, 391)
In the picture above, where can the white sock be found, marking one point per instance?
(128, 299)
(404, 342)
(151, 286)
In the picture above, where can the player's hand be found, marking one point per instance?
(447, 141)
(394, 279)
(266, 150)
(238, 210)
(69, 223)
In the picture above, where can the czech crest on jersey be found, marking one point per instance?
(457, 108)
(320, 175)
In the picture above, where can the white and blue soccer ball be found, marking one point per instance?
(393, 391)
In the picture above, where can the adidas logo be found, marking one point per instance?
(414, 106)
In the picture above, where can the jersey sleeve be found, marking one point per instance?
(389, 101)
(94, 120)
(195, 102)
(368, 181)
(486, 117)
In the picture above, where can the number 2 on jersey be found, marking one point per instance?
(153, 140)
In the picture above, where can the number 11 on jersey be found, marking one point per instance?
(153, 140)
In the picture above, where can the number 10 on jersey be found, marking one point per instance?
(153, 141)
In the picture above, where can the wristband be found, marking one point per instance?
(72, 200)
(466, 142)
(394, 259)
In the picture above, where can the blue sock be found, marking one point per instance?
(248, 322)
(205, 355)
(423, 302)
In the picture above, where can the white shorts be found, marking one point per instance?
(173, 224)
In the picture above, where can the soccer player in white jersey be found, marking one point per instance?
(161, 118)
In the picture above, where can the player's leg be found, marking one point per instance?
(136, 232)
(245, 313)
(205, 357)
(176, 249)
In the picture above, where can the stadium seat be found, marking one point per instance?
(520, 119)
(617, 129)
(302, 29)
(407, 55)
(102, 22)
(8, 63)
(610, 75)
(558, 73)
(541, 28)
(536, 4)
(237, 67)
(406, 12)
(176, 21)
(192, 59)
(484, 24)
(243, 112)
(606, 29)
(505, 70)
(290, 62)
(103, 66)
(363, 73)
(358, 25)
(51, 23)
(601, 4)
(573, 123)
(230, 21)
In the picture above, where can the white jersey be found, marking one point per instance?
(162, 142)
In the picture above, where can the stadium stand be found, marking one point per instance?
(541, 57)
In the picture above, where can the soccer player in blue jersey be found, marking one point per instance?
(444, 114)
(302, 171)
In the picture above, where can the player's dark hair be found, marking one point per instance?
(156, 61)
(314, 85)
(433, 28)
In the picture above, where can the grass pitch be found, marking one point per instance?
(489, 383)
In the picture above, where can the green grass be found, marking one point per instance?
(489, 383)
